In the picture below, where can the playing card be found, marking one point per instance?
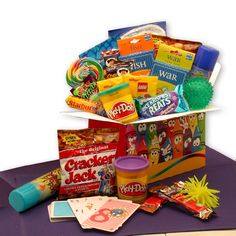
(83, 208)
(111, 215)
(61, 209)
(52, 220)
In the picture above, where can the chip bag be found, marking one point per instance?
(86, 159)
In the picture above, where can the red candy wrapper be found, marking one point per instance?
(196, 209)
(152, 204)
(173, 195)
(86, 158)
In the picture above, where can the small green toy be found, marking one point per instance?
(198, 92)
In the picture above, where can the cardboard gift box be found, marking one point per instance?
(173, 143)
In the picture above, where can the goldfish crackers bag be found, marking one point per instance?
(86, 159)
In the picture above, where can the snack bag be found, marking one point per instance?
(109, 83)
(142, 85)
(86, 159)
(190, 46)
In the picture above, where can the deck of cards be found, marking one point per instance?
(60, 211)
(99, 212)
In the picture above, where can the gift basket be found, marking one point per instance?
(145, 95)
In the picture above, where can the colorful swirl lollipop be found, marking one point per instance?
(84, 70)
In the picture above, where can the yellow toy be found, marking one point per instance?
(199, 192)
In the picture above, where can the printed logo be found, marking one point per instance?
(189, 57)
(142, 87)
(85, 169)
(120, 110)
(133, 189)
(71, 139)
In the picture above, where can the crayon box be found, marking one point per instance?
(172, 146)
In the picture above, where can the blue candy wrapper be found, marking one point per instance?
(163, 104)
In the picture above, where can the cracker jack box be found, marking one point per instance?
(173, 143)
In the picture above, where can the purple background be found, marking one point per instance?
(221, 173)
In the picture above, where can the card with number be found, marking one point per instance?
(83, 208)
(111, 215)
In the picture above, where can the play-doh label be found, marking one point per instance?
(133, 189)
(121, 110)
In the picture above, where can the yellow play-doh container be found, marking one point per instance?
(118, 103)
(131, 178)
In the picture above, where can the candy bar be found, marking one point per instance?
(85, 90)
(173, 195)
(81, 104)
(152, 204)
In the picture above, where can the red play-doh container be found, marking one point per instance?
(131, 177)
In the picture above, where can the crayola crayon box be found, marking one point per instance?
(173, 144)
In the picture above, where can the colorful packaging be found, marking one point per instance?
(140, 50)
(172, 146)
(175, 57)
(152, 204)
(173, 195)
(113, 67)
(109, 83)
(142, 85)
(81, 104)
(131, 178)
(110, 57)
(172, 67)
(136, 44)
(166, 103)
(86, 158)
(118, 69)
(204, 62)
(118, 103)
(142, 62)
(34, 192)
(85, 90)
(186, 45)
(95, 52)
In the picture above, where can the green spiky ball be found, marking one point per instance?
(198, 92)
